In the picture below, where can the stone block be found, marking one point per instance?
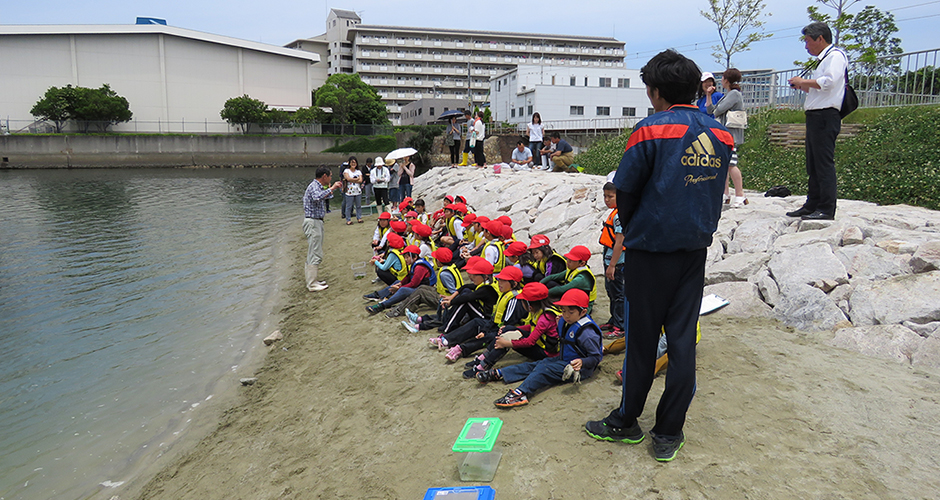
(735, 267)
(756, 235)
(928, 356)
(557, 196)
(852, 236)
(924, 330)
(807, 308)
(869, 262)
(744, 300)
(814, 265)
(926, 258)
(894, 300)
(893, 342)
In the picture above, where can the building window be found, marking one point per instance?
(432, 111)
(420, 110)
(650, 112)
(513, 113)
(629, 111)
(603, 82)
(520, 112)
(603, 111)
(577, 110)
(572, 81)
(530, 109)
(623, 83)
(585, 81)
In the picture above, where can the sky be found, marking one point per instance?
(646, 27)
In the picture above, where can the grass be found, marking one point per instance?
(894, 159)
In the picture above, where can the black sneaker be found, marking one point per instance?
(600, 430)
(374, 308)
(665, 450)
(799, 212)
(488, 376)
(512, 399)
(374, 296)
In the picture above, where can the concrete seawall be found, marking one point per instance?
(69, 151)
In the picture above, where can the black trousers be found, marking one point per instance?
(479, 157)
(664, 291)
(455, 152)
(822, 128)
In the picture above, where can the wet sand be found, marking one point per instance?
(352, 406)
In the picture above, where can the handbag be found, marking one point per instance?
(736, 119)
(849, 100)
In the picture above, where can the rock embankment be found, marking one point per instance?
(872, 276)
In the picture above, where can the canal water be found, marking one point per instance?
(129, 298)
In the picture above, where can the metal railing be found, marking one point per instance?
(908, 79)
(204, 127)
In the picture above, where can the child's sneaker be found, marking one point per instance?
(435, 342)
(408, 326)
(512, 399)
(606, 326)
(599, 429)
(454, 353)
(373, 296)
(412, 317)
(666, 449)
(374, 308)
(485, 376)
(614, 333)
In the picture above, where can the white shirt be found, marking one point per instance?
(380, 177)
(830, 75)
(535, 132)
(480, 129)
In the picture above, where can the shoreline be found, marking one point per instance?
(356, 407)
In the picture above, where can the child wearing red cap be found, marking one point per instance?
(546, 260)
(517, 255)
(478, 332)
(453, 230)
(493, 246)
(580, 351)
(539, 332)
(449, 280)
(420, 272)
(576, 275)
(382, 228)
(474, 300)
(391, 267)
(422, 238)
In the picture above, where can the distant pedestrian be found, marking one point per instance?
(315, 198)
(407, 179)
(467, 147)
(708, 80)
(353, 193)
(452, 138)
(380, 176)
(825, 91)
(535, 130)
(479, 135)
(394, 194)
(563, 156)
(719, 108)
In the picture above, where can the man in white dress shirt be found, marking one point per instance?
(825, 91)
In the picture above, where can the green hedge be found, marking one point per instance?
(365, 145)
(895, 159)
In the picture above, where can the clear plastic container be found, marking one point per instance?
(478, 466)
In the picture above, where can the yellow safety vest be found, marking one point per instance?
(541, 265)
(458, 279)
(545, 342)
(500, 258)
(399, 274)
(570, 275)
(501, 304)
(452, 225)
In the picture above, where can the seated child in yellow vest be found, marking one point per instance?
(577, 275)
(391, 268)
(493, 244)
(517, 255)
(449, 280)
(382, 228)
(474, 300)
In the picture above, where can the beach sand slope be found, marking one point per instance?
(352, 406)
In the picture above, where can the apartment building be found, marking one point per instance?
(406, 64)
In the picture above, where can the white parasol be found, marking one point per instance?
(401, 153)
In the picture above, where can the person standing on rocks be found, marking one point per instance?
(479, 135)
(824, 94)
(315, 198)
(669, 188)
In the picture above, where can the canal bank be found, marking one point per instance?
(112, 151)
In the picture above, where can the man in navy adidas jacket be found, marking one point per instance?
(669, 190)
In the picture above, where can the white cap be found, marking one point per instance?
(379, 160)
(706, 75)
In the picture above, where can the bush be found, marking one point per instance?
(894, 159)
(365, 145)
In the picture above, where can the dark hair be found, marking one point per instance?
(816, 30)
(609, 186)
(369, 161)
(480, 114)
(518, 143)
(536, 115)
(545, 249)
(556, 135)
(732, 76)
(419, 202)
(323, 170)
(353, 159)
(526, 259)
(467, 112)
(540, 305)
(675, 76)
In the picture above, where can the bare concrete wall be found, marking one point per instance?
(69, 151)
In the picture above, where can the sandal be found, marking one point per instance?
(359, 221)
(349, 223)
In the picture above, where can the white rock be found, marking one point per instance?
(814, 265)
(928, 356)
(744, 300)
(769, 291)
(880, 341)
(867, 262)
(927, 257)
(756, 235)
(556, 196)
(894, 300)
(852, 236)
(924, 330)
(735, 267)
(807, 308)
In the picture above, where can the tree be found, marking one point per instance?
(837, 23)
(54, 106)
(925, 81)
(304, 117)
(350, 100)
(870, 35)
(423, 141)
(739, 25)
(101, 107)
(244, 111)
(276, 118)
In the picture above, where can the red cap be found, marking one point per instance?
(473, 259)
(412, 249)
(505, 220)
(461, 207)
(460, 199)
(395, 241)
(399, 226)
(495, 228)
(403, 205)
(481, 266)
(510, 273)
(574, 297)
(452, 207)
(411, 213)
(422, 230)
(407, 198)
(449, 198)
(414, 222)
(481, 220)
(507, 232)
(533, 291)
(538, 241)
(515, 249)
(385, 215)
(579, 252)
(443, 254)
(468, 220)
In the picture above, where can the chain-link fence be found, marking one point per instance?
(188, 127)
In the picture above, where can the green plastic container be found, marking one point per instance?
(476, 443)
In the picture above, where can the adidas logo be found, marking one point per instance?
(701, 153)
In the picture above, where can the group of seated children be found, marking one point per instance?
(513, 296)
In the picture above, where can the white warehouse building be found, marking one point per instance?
(176, 80)
(570, 98)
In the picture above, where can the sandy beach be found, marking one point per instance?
(352, 406)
